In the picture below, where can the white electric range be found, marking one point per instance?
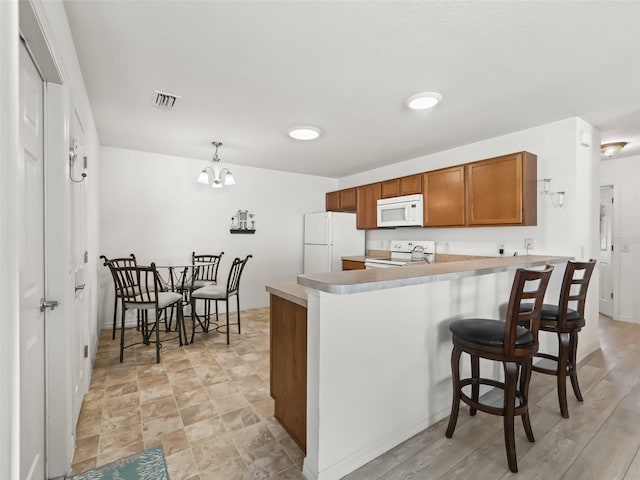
(403, 253)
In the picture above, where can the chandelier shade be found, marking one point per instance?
(216, 175)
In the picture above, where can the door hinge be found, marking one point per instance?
(612, 248)
(86, 351)
(611, 295)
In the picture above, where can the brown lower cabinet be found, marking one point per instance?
(352, 265)
(288, 367)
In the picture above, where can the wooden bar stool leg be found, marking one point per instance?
(455, 403)
(563, 355)
(475, 387)
(510, 382)
(573, 369)
(525, 377)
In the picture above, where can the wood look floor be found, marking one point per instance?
(236, 437)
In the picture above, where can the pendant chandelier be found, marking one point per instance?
(216, 175)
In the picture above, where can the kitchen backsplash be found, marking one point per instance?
(482, 241)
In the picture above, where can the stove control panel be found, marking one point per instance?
(406, 246)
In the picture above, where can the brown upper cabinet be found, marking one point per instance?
(444, 197)
(409, 185)
(502, 190)
(367, 197)
(496, 191)
(341, 200)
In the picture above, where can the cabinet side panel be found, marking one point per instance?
(530, 185)
(289, 367)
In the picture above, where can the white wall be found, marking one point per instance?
(151, 205)
(60, 280)
(624, 175)
(557, 149)
(9, 243)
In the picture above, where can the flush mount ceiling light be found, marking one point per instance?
(610, 149)
(304, 132)
(424, 100)
(216, 175)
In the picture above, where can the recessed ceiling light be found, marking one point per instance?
(304, 132)
(424, 100)
(611, 149)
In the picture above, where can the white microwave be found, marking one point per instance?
(404, 211)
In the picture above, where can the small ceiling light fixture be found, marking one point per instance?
(216, 175)
(610, 149)
(423, 101)
(304, 132)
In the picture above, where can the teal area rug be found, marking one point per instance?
(147, 465)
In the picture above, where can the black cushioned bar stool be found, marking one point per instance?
(566, 323)
(502, 341)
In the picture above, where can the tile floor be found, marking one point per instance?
(209, 406)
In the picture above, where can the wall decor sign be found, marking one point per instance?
(243, 222)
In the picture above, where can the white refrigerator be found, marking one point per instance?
(328, 236)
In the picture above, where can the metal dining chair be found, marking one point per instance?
(218, 293)
(142, 289)
(111, 263)
(207, 273)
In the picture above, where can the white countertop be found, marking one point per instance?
(289, 291)
(356, 281)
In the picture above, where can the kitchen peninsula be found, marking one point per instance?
(378, 350)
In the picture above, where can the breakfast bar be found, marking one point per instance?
(378, 350)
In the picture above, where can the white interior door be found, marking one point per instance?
(606, 250)
(79, 332)
(32, 331)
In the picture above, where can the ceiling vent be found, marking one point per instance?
(164, 100)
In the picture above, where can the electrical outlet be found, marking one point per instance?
(501, 249)
(528, 244)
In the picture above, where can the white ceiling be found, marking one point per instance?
(248, 70)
